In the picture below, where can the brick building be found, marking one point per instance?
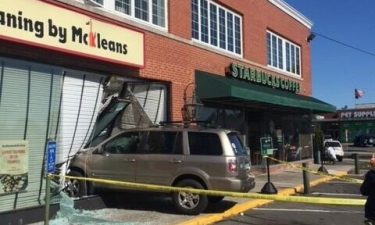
(243, 65)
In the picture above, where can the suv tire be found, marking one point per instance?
(190, 203)
(75, 187)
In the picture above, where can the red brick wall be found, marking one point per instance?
(175, 61)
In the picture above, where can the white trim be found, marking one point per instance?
(132, 9)
(213, 47)
(109, 6)
(284, 72)
(166, 14)
(149, 8)
(92, 2)
(285, 7)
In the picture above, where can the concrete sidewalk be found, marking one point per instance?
(288, 182)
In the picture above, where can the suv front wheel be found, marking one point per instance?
(75, 187)
(190, 203)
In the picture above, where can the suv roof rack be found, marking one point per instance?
(200, 123)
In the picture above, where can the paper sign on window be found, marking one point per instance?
(13, 166)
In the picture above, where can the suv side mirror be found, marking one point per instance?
(98, 150)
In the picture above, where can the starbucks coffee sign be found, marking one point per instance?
(256, 76)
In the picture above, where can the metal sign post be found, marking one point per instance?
(46, 219)
(49, 168)
(267, 149)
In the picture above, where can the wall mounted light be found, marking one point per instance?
(310, 37)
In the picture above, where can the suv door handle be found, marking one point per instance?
(176, 161)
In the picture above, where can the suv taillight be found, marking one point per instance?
(232, 166)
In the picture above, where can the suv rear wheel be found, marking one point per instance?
(190, 203)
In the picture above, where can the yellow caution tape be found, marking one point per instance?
(160, 188)
(292, 165)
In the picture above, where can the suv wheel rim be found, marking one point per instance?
(188, 200)
(72, 188)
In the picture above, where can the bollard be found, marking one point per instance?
(356, 168)
(306, 178)
(47, 202)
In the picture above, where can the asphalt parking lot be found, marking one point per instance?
(280, 213)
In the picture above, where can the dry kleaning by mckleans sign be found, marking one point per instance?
(47, 25)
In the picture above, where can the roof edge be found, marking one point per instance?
(292, 12)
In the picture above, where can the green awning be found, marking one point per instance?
(219, 89)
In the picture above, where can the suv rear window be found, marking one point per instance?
(236, 144)
(201, 143)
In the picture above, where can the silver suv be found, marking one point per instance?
(194, 157)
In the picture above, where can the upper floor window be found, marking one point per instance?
(149, 11)
(283, 54)
(217, 26)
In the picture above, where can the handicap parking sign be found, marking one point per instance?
(51, 156)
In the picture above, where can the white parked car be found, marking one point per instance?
(336, 145)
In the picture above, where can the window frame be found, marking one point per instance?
(291, 55)
(110, 5)
(236, 39)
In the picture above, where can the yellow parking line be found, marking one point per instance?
(242, 207)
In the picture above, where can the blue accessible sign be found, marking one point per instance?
(51, 156)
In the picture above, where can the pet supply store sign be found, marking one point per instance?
(13, 166)
(49, 26)
(358, 115)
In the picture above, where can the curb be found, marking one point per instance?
(240, 208)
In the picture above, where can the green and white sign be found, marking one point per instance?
(266, 147)
(260, 77)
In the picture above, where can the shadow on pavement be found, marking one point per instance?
(149, 201)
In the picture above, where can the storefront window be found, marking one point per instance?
(291, 136)
(290, 133)
(224, 118)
